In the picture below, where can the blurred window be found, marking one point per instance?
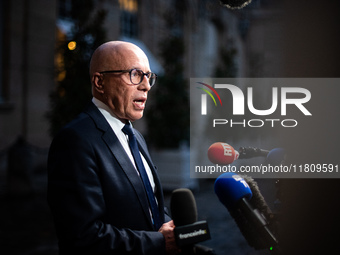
(129, 18)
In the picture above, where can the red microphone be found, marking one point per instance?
(222, 153)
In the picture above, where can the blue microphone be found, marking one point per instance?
(231, 188)
(276, 156)
(235, 194)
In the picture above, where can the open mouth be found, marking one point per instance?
(140, 103)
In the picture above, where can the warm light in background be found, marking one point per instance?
(72, 45)
(128, 5)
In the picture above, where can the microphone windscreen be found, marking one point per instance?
(221, 153)
(257, 200)
(230, 188)
(183, 207)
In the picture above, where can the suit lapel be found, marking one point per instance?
(122, 158)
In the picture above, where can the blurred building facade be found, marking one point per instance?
(207, 28)
(26, 69)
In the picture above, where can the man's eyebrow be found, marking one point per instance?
(139, 68)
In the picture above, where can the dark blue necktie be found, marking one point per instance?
(140, 166)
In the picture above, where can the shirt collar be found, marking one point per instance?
(114, 122)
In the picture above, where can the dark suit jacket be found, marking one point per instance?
(96, 197)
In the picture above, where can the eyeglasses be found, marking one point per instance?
(136, 75)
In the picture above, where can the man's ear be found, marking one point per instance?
(98, 82)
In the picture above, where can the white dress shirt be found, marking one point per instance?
(117, 127)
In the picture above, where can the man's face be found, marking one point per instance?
(126, 100)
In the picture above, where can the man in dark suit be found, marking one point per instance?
(95, 191)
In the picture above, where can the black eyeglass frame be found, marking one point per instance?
(148, 75)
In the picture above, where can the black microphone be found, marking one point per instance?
(188, 231)
(235, 4)
(251, 152)
(249, 211)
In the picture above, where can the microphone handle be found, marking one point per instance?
(259, 221)
(251, 152)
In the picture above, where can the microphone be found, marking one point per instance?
(251, 152)
(235, 4)
(222, 153)
(237, 196)
(276, 156)
(188, 230)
